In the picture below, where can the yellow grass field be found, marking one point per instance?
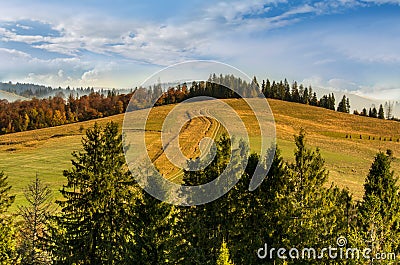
(47, 152)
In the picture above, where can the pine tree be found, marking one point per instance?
(311, 214)
(260, 211)
(344, 105)
(331, 102)
(381, 113)
(251, 212)
(348, 105)
(201, 227)
(7, 243)
(364, 112)
(154, 220)
(310, 94)
(288, 96)
(306, 99)
(295, 93)
(301, 94)
(223, 257)
(94, 225)
(374, 113)
(379, 212)
(267, 89)
(314, 100)
(33, 230)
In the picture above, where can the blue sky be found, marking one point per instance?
(350, 45)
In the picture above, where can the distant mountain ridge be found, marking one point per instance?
(358, 102)
(27, 91)
(11, 97)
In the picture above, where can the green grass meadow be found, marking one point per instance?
(47, 152)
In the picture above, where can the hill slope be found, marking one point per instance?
(10, 97)
(48, 151)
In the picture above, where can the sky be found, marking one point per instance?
(341, 45)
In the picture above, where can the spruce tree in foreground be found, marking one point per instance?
(311, 214)
(202, 227)
(254, 214)
(33, 229)
(381, 113)
(7, 244)
(152, 233)
(379, 212)
(94, 226)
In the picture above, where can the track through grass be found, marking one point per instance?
(47, 152)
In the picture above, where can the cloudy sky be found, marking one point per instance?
(350, 45)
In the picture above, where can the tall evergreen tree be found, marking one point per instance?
(311, 214)
(306, 99)
(374, 113)
(381, 113)
(295, 92)
(252, 213)
(203, 227)
(310, 94)
(314, 100)
(364, 112)
(153, 229)
(288, 96)
(33, 230)
(267, 89)
(344, 105)
(379, 212)
(7, 243)
(260, 211)
(94, 225)
(301, 94)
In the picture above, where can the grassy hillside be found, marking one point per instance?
(11, 96)
(47, 152)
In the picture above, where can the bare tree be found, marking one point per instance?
(389, 109)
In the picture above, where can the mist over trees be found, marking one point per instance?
(41, 91)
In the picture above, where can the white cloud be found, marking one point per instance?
(60, 73)
(380, 2)
(11, 54)
(235, 10)
(238, 32)
(23, 67)
(23, 27)
(380, 91)
(157, 44)
(7, 35)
